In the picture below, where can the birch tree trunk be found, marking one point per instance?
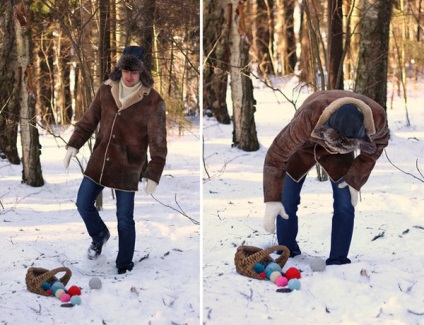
(244, 134)
(371, 79)
(31, 174)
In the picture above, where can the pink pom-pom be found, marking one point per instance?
(281, 281)
(65, 297)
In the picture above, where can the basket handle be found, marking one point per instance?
(49, 274)
(281, 260)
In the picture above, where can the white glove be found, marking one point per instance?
(150, 186)
(272, 210)
(353, 193)
(71, 152)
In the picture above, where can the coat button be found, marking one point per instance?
(113, 136)
(107, 159)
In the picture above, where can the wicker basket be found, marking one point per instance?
(247, 256)
(36, 276)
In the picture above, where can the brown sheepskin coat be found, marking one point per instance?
(297, 148)
(125, 133)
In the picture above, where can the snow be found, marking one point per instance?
(384, 284)
(40, 227)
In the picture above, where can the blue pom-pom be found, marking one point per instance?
(45, 286)
(272, 267)
(57, 285)
(259, 268)
(294, 284)
(76, 300)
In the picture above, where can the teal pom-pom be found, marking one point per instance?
(259, 268)
(294, 284)
(45, 286)
(268, 274)
(272, 267)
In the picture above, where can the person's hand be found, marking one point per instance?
(150, 186)
(272, 210)
(70, 152)
(353, 193)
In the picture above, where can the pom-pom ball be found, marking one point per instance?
(74, 291)
(294, 284)
(262, 275)
(65, 297)
(317, 265)
(57, 285)
(292, 273)
(259, 267)
(272, 267)
(95, 283)
(281, 281)
(45, 286)
(49, 292)
(59, 292)
(274, 276)
(76, 300)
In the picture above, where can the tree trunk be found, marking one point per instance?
(9, 101)
(371, 79)
(262, 35)
(143, 35)
(217, 55)
(286, 36)
(104, 40)
(306, 66)
(31, 174)
(335, 46)
(244, 134)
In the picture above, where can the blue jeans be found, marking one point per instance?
(97, 229)
(342, 222)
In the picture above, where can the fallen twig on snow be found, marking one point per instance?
(380, 235)
(415, 313)
(416, 164)
(181, 211)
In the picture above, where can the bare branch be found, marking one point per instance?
(421, 180)
(181, 211)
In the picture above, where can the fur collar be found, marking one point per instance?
(136, 97)
(338, 143)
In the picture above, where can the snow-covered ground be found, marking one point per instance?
(41, 227)
(385, 282)
(383, 285)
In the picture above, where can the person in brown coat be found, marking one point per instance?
(327, 129)
(131, 118)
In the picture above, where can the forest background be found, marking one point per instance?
(55, 54)
(359, 45)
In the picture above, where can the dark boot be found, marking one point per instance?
(95, 249)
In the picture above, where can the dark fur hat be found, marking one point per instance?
(349, 121)
(132, 60)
